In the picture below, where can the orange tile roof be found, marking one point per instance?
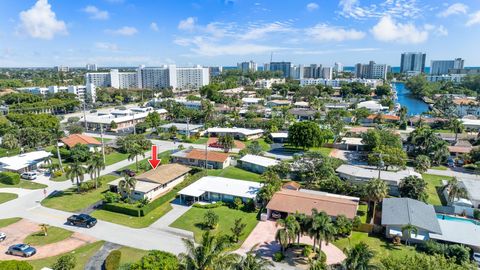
(74, 139)
(459, 149)
(384, 116)
(292, 201)
(464, 101)
(211, 155)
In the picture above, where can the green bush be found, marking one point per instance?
(65, 262)
(9, 178)
(307, 250)
(112, 262)
(15, 265)
(278, 256)
(156, 259)
(476, 214)
(238, 203)
(122, 209)
(57, 174)
(111, 197)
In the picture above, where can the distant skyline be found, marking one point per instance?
(45, 33)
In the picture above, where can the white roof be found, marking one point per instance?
(458, 232)
(142, 186)
(181, 126)
(108, 118)
(21, 161)
(259, 160)
(244, 131)
(352, 141)
(367, 174)
(251, 100)
(371, 105)
(301, 103)
(279, 135)
(470, 122)
(221, 185)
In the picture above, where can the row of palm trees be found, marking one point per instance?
(76, 170)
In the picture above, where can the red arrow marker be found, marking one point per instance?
(154, 161)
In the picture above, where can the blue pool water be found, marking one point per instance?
(456, 219)
(414, 105)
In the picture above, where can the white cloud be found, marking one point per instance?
(154, 27)
(41, 22)
(96, 13)
(473, 19)
(393, 8)
(260, 31)
(124, 31)
(106, 46)
(439, 31)
(457, 8)
(312, 6)
(187, 24)
(388, 30)
(323, 32)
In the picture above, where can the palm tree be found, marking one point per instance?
(127, 185)
(253, 261)
(57, 134)
(133, 151)
(359, 257)
(75, 172)
(9, 141)
(304, 222)
(291, 226)
(457, 127)
(227, 142)
(209, 255)
(455, 191)
(376, 189)
(282, 238)
(95, 166)
(407, 231)
(321, 229)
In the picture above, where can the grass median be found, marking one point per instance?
(5, 197)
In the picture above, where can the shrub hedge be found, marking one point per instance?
(112, 262)
(9, 178)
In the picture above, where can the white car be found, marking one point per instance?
(476, 258)
(3, 236)
(29, 175)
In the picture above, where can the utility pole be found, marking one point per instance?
(206, 152)
(133, 122)
(381, 164)
(85, 116)
(103, 144)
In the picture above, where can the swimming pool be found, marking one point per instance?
(457, 219)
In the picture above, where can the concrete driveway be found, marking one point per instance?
(264, 236)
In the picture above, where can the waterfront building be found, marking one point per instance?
(442, 67)
(412, 62)
(371, 70)
(284, 67)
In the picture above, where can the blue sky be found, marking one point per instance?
(224, 32)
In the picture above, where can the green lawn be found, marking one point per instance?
(324, 150)
(236, 173)
(130, 221)
(5, 197)
(143, 164)
(131, 255)
(201, 140)
(54, 235)
(265, 146)
(381, 247)
(434, 188)
(7, 221)
(26, 184)
(71, 201)
(362, 212)
(440, 168)
(192, 221)
(82, 255)
(114, 157)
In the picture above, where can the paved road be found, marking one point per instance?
(454, 174)
(97, 260)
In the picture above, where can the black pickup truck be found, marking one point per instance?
(82, 220)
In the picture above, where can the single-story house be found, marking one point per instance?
(465, 205)
(372, 105)
(212, 189)
(251, 101)
(278, 103)
(74, 139)
(350, 143)
(182, 128)
(196, 157)
(301, 104)
(279, 137)
(360, 175)
(153, 183)
(303, 114)
(458, 231)
(287, 201)
(24, 162)
(370, 120)
(398, 212)
(471, 124)
(473, 190)
(257, 164)
(237, 133)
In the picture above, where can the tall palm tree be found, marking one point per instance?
(457, 127)
(57, 134)
(227, 142)
(282, 238)
(95, 166)
(455, 191)
(291, 226)
(304, 223)
(75, 173)
(375, 190)
(133, 151)
(211, 254)
(127, 185)
(407, 231)
(321, 229)
(359, 257)
(253, 261)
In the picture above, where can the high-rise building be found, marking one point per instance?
(327, 73)
(297, 72)
(284, 67)
(371, 70)
(215, 71)
(442, 67)
(91, 67)
(246, 67)
(338, 67)
(413, 62)
(61, 68)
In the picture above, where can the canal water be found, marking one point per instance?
(414, 105)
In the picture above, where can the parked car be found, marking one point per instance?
(129, 172)
(3, 236)
(29, 175)
(82, 220)
(476, 258)
(23, 250)
(276, 215)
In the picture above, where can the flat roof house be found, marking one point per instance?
(237, 133)
(350, 143)
(196, 157)
(154, 183)
(360, 175)
(74, 139)
(398, 212)
(23, 162)
(182, 128)
(212, 189)
(287, 201)
(279, 137)
(257, 164)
